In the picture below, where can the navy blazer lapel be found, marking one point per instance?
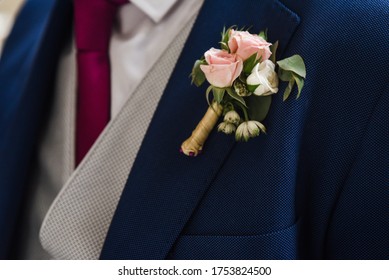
(27, 72)
(165, 186)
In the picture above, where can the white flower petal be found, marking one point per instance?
(239, 134)
(253, 129)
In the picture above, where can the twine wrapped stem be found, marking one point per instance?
(194, 144)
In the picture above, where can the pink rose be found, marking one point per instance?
(245, 44)
(222, 69)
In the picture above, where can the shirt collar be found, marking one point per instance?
(155, 9)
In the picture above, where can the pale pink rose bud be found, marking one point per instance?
(222, 69)
(245, 44)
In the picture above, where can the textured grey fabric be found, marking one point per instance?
(77, 222)
(56, 157)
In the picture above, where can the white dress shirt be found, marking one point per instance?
(144, 30)
(8, 12)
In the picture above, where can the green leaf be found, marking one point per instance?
(252, 88)
(225, 38)
(273, 49)
(224, 46)
(198, 77)
(288, 89)
(235, 96)
(258, 107)
(284, 75)
(294, 64)
(263, 34)
(223, 32)
(218, 94)
(224, 35)
(242, 78)
(250, 63)
(300, 84)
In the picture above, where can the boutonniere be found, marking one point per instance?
(243, 76)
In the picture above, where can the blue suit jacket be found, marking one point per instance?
(27, 73)
(314, 187)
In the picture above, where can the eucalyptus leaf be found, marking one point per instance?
(273, 49)
(235, 96)
(258, 107)
(218, 94)
(250, 63)
(288, 89)
(294, 64)
(300, 84)
(285, 75)
(198, 76)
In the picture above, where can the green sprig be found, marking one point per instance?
(292, 70)
(197, 75)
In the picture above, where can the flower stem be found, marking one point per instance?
(246, 116)
(194, 144)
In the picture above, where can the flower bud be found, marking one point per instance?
(226, 127)
(249, 129)
(241, 88)
(232, 117)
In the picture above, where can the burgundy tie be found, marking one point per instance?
(93, 24)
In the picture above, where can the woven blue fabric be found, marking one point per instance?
(27, 71)
(281, 245)
(229, 202)
(361, 214)
(314, 187)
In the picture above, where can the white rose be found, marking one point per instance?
(265, 77)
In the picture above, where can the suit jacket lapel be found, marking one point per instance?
(164, 186)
